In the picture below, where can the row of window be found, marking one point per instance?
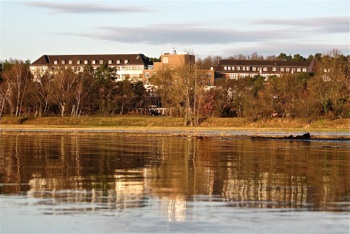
(93, 62)
(130, 68)
(120, 68)
(236, 75)
(264, 69)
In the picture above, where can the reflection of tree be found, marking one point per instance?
(119, 172)
(289, 175)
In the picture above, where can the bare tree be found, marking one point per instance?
(62, 87)
(208, 62)
(5, 93)
(83, 88)
(16, 76)
(42, 89)
(183, 89)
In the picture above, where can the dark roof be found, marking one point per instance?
(133, 59)
(231, 62)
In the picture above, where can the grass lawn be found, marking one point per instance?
(175, 123)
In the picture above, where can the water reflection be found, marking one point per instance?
(76, 173)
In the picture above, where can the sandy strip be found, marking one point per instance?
(173, 131)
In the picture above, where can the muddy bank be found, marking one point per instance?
(180, 131)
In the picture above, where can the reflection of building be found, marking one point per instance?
(269, 191)
(128, 66)
(127, 192)
(174, 208)
(116, 193)
(92, 174)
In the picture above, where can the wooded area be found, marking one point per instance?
(325, 93)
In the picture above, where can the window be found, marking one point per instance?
(265, 69)
(110, 61)
(229, 68)
(243, 68)
(274, 69)
(126, 61)
(304, 69)
(93, 61)
(101, 61)
(287, 69)
(78, 61)
(63, 61)
(86, 61)
(233, 76)
(118, 61)
(238, 68)
(225, 68)
(326, 78)
(253, 68)
(70, 62)
(233, 68)
(55, 62)
(298, 69)
(248, 68)
(282, 69)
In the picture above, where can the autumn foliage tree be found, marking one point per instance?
(181, 90)
(331, 85)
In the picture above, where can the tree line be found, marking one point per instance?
(89, 92)
(183, 91)
(211, 61)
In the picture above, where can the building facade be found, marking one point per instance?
(128, 66)
(173, 61)
(235, 69)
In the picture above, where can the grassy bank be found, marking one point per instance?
(147, 121)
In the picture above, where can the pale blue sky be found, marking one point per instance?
(30, 29)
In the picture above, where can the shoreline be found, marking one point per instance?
(197, 132)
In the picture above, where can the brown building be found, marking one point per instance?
(173, 61)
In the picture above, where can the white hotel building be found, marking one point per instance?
(128, 66)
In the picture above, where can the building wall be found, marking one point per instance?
(174, 61)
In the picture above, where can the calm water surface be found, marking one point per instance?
(114, 184)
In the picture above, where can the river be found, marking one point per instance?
(151, 184)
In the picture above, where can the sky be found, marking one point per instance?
(30, 29)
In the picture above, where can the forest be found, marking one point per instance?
(183, 91)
